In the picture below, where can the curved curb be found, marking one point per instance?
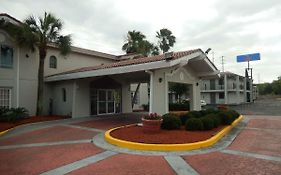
(169, 147)
(3, 132)
(26, 124)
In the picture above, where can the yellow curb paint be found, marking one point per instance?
(3, 132)
(169, 147)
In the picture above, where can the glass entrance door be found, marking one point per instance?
(105, 103)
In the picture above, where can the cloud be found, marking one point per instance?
(230, 28)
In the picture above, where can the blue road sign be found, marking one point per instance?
(248, 57)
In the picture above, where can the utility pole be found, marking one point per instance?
(222, 63)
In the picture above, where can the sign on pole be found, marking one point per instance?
(248, 57)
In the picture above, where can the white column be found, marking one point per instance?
(74, 88)
(18, 79)
(166, 94)
(225, 90)
(151, 91)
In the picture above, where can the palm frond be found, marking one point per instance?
(64, 44)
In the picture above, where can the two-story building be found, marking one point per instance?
(87, 82)
(229, 88)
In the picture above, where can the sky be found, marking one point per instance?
(229, 28)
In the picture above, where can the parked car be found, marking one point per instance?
(203, 103)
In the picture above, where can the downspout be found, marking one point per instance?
(150, 90)
(18, 78)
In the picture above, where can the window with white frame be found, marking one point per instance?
(5, 97)
(6, 56)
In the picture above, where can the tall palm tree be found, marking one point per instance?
(165, 39)
(136, 43)
(38, 33)
(133, 41)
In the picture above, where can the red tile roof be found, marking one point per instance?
(176, 55)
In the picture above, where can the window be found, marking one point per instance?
(5, 97)
(63, 95)
(205, 87)
(221, 95)
(6, 56)
(221, 81)
(53, 62)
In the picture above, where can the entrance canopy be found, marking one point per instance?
(197, 60)
(187, 67)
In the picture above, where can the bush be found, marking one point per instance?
(170, 122)
(196, 114)
(185, 117)
(3, 112)
(208, 123)
(13, 114)
(216, 119)
(234, 113)
(193, 124)
(179, 106)
(226, 117)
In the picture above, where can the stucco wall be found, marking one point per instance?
(71, 61)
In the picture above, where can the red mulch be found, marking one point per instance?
(33, 119)
(135, 134)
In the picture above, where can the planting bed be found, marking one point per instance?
(7, 125)
(134, 133)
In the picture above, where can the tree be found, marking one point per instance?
(165, 39)
(136, 43)
(38, 33)
(133, 41)
(179, 89)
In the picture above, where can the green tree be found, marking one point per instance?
(136, 43)
(276, 86)
(179, 89)
(165, 39)
(38, 33)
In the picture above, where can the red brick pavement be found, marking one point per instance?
(217, 163)
(50, 134)
(265, 123)
(37, 160)
(124, 164)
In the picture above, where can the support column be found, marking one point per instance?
(74, 88)
(225, 89)
(150, 91)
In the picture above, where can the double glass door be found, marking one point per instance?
(105, 101)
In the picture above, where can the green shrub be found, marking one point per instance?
(13, 114)
(208, 123)
(196, 114)
(215, 117)
(226, 117)
(179, 106)
(234, 113)
(3, 112)
(170, 122)
(186, 116)
(193, 124)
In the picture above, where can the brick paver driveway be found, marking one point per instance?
(65, 147)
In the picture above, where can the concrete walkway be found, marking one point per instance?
(77, 147)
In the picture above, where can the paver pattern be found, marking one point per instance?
(68, 146)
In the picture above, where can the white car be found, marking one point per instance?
(203, 103)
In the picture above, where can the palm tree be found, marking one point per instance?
(38, 33)
(136, 43)
(133, 41)
(165, 39)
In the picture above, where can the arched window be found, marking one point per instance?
(53, 62)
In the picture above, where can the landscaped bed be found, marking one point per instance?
(135, 133)
(33, 119)
(170, 132)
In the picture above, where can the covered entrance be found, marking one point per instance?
(105, 96)
(105, 89)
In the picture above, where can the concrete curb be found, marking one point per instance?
(170, 147)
